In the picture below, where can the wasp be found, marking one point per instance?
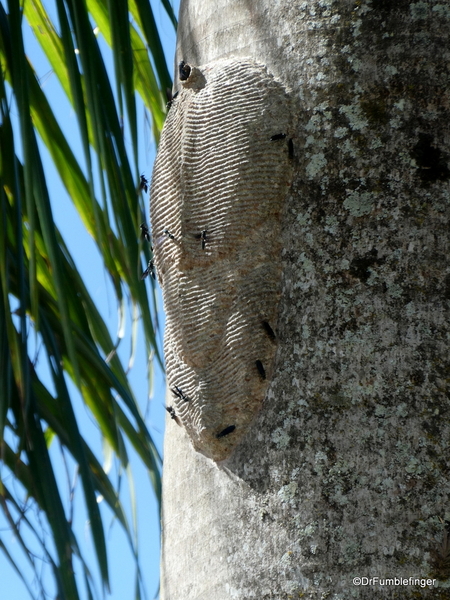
(184, 71)
(143, 184)
(261, 370)
(145, 232)
(269, 331)
(202, 236)
(169, 234)
(278, 136)
(179, 393)
(150, 270)
(226, 431)
(291, 148)
(173, 414)
(170, 99)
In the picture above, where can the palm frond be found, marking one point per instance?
(43, 298)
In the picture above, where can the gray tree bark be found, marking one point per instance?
(345, 472)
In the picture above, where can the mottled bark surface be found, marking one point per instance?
(345, 472)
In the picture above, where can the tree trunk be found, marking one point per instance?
(345, 471)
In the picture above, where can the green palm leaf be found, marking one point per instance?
(37, 269)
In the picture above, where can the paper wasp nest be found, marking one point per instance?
(220, 178)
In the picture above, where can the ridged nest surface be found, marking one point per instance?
(222, 172)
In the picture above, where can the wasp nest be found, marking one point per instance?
(220, 178)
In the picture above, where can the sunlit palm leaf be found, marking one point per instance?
(79, 189)
(36, 268)
(149, 85)
(51, 42)
(36, 194)
(123, 62)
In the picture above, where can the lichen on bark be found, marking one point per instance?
(345, 472)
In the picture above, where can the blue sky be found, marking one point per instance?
(86, 256)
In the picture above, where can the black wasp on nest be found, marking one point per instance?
(145, 233)
(150, 270)
(143, 184)
(173, 414)
(170, 98)
(226, 431)
(202, 236)
(176, 391)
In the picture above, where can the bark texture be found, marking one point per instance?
(345, 472)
